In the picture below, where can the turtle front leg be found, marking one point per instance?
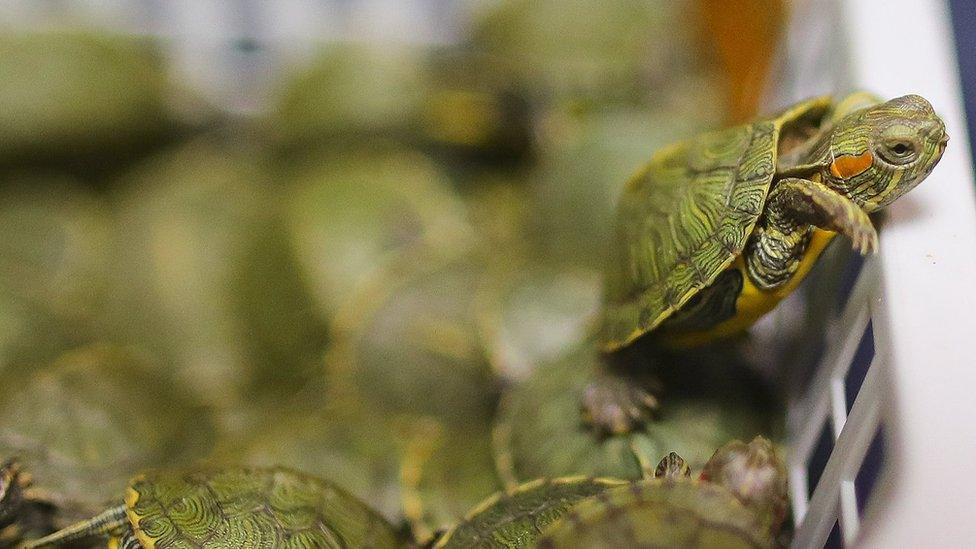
(112, 521)
(794, 207)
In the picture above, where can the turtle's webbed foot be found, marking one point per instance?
(616, 405)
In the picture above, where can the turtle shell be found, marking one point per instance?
(53, 111)
(686, 216)
(658, 513)
(514, 519)
(343, 440)
(353, 211)
(55, 264)
(84, 424)
(711, 400)
(274, 507)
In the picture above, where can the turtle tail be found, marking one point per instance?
(106, 522)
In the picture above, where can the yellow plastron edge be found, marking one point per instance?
(753, 302)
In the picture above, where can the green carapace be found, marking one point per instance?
(231, 507)
(514, 519)
(738, 500)
(716, 230)
(73, 432)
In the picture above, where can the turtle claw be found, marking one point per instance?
(865, 239)
(612, 405)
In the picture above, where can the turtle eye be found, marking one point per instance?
(898, 151)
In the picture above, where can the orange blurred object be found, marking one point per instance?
(741, 36)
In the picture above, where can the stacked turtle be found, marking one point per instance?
(739, 500)
(716, 230)
(710, 235)
(232, 507)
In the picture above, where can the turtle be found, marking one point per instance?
(513, 518)
(716, 399)
(354, 210)
(617, 52)
(744, 490)
(714, 231)
(76, 429)
(739, 500)
(120, 105)
(231, 507)
(55, 268)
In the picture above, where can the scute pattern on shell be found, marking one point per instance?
(658, 513)
(243, 507)
(514, 519)
(682, 221)
(80, 427)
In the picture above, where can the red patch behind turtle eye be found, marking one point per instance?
(847, 166)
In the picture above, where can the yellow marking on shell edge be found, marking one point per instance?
(113, 543)
(754, 302)
(131, 497)
(847, 166)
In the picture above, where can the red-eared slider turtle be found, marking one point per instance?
(739, 501)
(71, 97)
(618, 50)
(78, 428)
(232, 507)
(55, 265)
(354, 211)
(513, 519)
(716, 230)
(714, 399)
(744, 493)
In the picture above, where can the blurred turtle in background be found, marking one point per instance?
(86, 102)
(535, 316)
(187, 217)
(354, 211)
(349, 92)
(417, 471)
(615, 54)
(408, 337)
(740, 500)
(76, 429)
(401, 417)
(209, 276)
(455, 103)
(538, 432)
(475, 113)
(409, 347)
(231, 507)
(716, 230)
(582, 160)
(55, 267)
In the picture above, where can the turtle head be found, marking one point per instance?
(672, 467)
(881, 152)
(755, 475)
(11, 492)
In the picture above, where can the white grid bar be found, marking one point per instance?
(925, 321)
(920, 382)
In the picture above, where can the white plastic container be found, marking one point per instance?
(883, 439)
